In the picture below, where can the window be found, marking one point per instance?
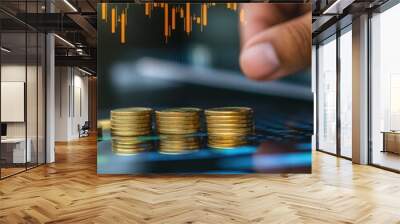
(327, 96)
(385, 89)
(346, 95)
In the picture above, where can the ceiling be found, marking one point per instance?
(73, 20)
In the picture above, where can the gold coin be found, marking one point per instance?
(116, 152)
(224, 137)
(125, 116)
(128, 134)
(185, 145)
(179, 112)
(179, 128)
(178, 131)
(227, 143)
(178, 118)
(229, 111)
(130, 126)
(118, 139)
(180, 142)
(176, 152)
(186, 127)
(131, 129)
(224, 147)
(179, 146)
(144, 125)
(131, 118)
(135, 138)
(132, 122)
(228, 118)
(130, 147)
(232, 123)
(179, 139)
(127, 119)
(228, 134)
(227, 125)
(127, 152)
(239, 130)
(229, 128)
(163, 147)
(177, 122)
(131, 110)
(128, 143)
(190, 129)
(136, 145)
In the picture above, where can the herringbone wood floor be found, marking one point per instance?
(69, 191)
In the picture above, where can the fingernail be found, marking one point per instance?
(259, 61)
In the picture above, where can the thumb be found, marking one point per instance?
(279, 50)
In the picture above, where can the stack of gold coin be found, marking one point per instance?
(177, 127)
(126, 125)
(129, 145)
(178, 121)
(175, 144)
(229, 127)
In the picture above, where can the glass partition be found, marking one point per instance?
(327, 95)
(385, 89)
(14, 153)
(346, 92)
(22, 92)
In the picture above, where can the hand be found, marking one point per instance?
(276, 40)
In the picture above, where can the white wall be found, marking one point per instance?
(71, 94)
(17, 73)
(33, 127)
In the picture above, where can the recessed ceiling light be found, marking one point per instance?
(84, 71)
(64, 40)
(70, 5)
(5, 50)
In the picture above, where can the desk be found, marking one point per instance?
(16, 147)
(391, 141)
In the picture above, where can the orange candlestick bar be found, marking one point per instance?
(242, 16)
(234, 6)
(123, 27)
(147, 9)
(188, 18)
(205, 16)
(103, 11)
(173, 14)
(113, 19)
(166, 20)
